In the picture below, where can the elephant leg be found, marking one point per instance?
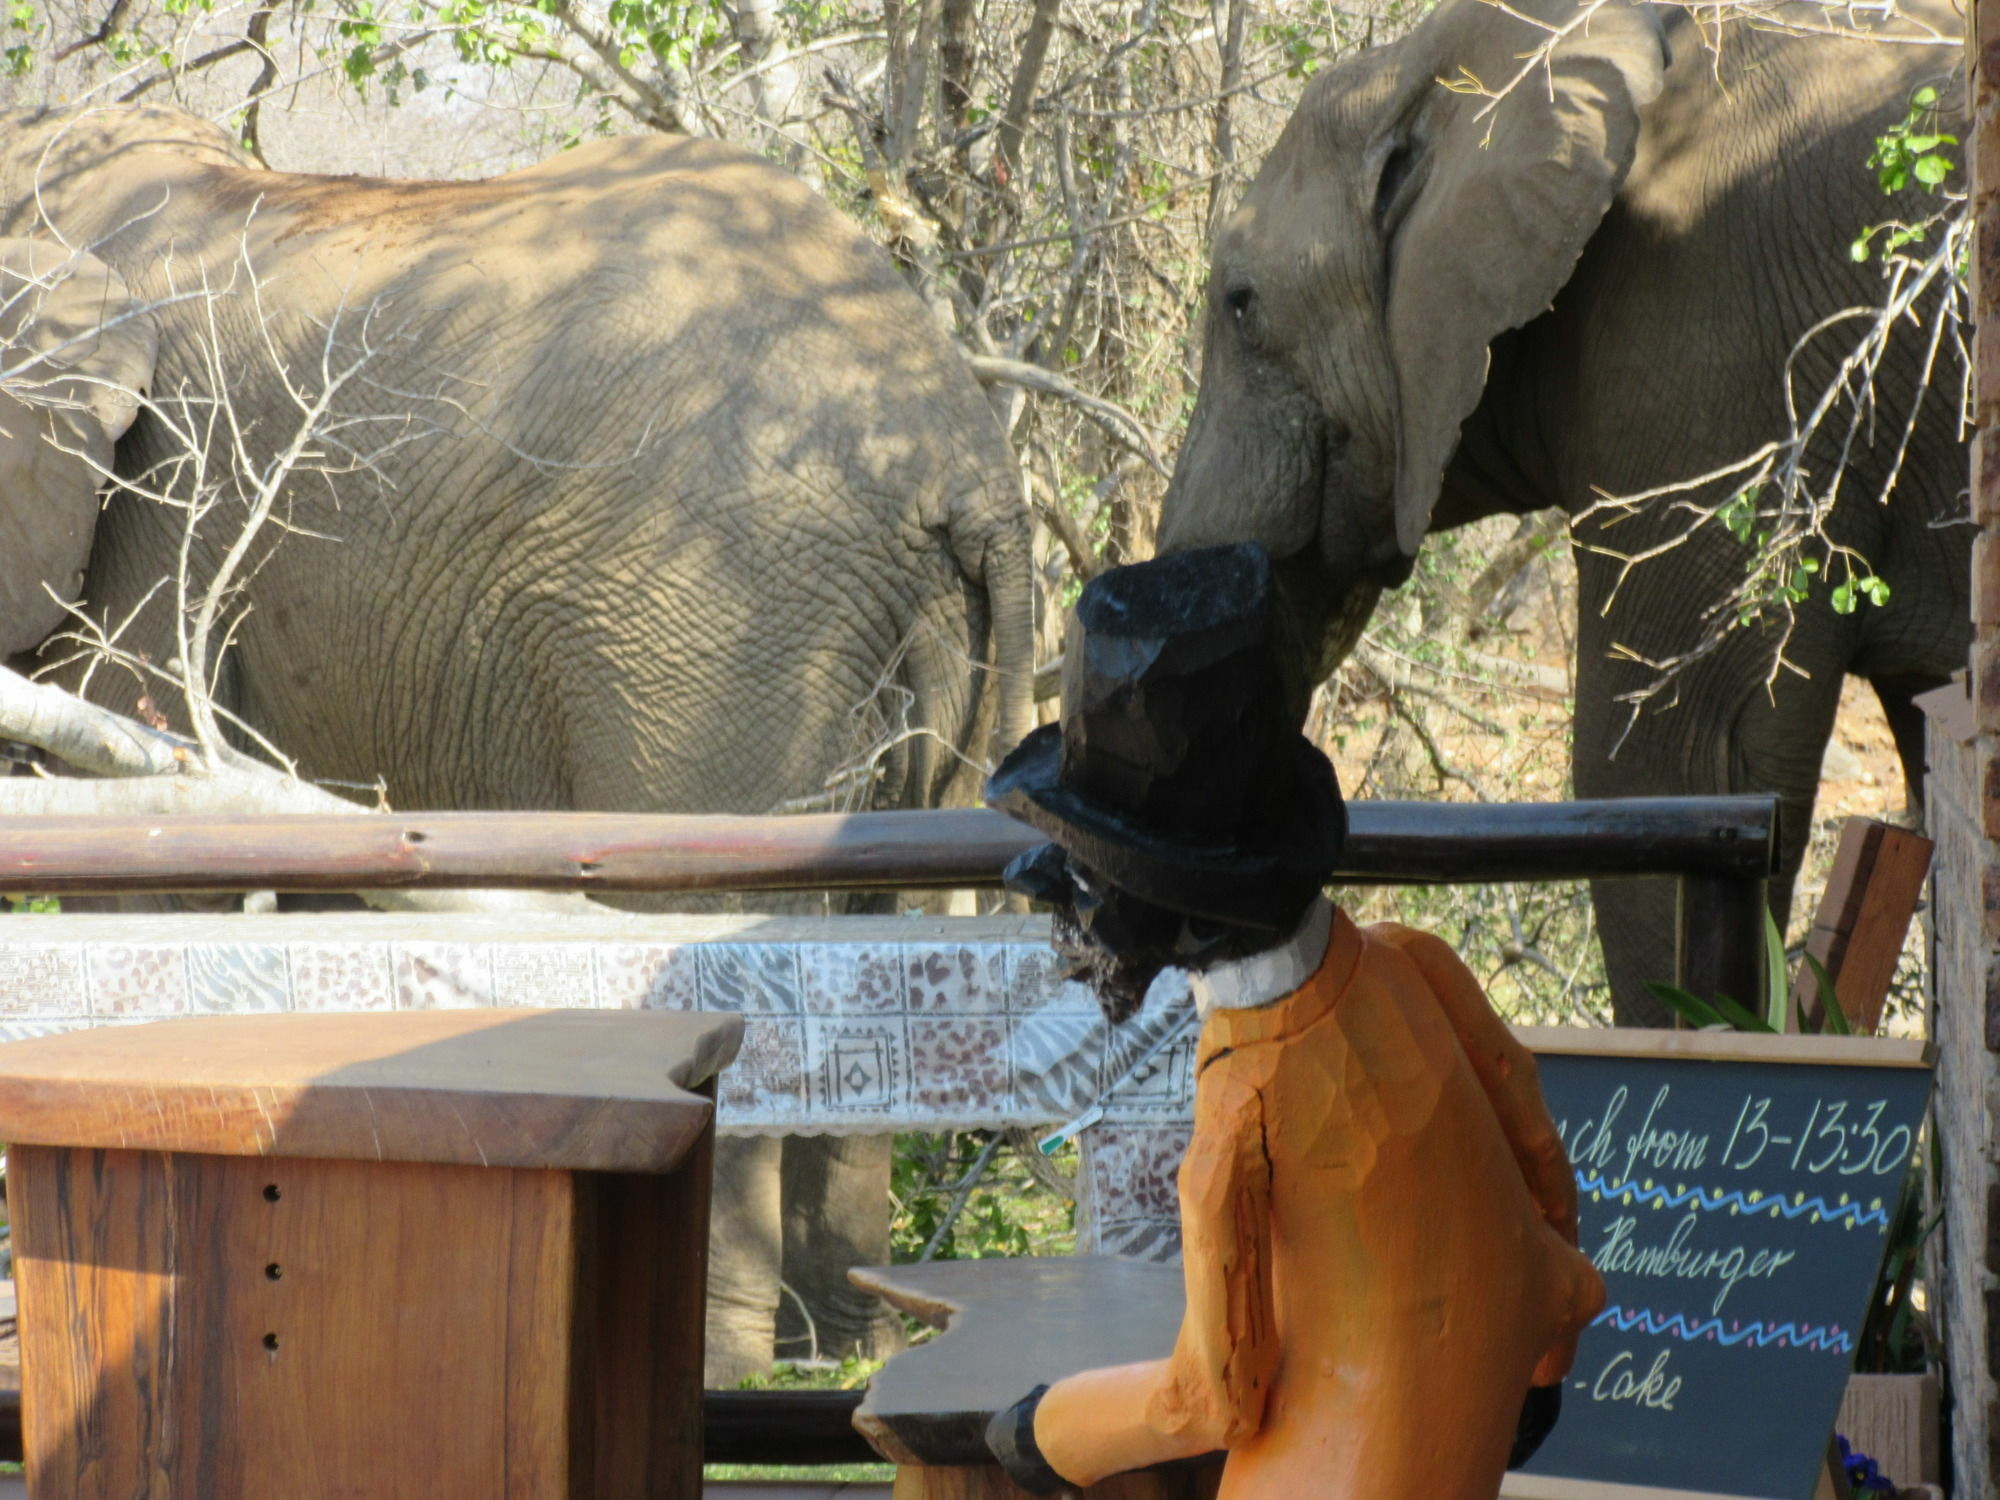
(836, 1193)
(1721, 731)
(1898, 695)
(744, 1240)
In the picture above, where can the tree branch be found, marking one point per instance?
(1123, 427)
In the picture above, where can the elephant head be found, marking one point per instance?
(1402, 222)
(76, 352)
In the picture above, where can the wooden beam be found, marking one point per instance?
(1728, 1046)
(1719, 938)
(1857, 936)
(1728, 838)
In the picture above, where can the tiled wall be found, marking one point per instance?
(851, 1024)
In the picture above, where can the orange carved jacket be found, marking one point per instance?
(1379, 1236)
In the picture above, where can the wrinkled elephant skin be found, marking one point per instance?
(1427, 311)
(655, 489)
(75, 351)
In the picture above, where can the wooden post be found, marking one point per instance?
(1857, 936)
(315, 1256)
(1719, 938)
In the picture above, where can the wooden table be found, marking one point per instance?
(1012, 1325)
(448, 1253)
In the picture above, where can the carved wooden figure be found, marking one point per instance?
(1379, 1240)
(1378, 1220)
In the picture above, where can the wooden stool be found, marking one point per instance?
(293, 1257)
(1012, 1325)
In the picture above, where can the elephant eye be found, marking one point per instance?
(1239, 301)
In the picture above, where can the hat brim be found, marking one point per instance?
(1259, 886)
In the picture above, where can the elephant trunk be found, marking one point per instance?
(1008, 574)
(971, 661)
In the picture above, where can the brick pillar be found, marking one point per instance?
(1964, 813)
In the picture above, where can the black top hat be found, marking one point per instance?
(1175, 773)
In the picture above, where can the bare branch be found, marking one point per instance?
(1123, 427)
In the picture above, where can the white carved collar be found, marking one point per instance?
(1260, 979)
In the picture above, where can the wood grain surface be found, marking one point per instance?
(1726, 1046)
(186, 1333)
(642, 1292)
(1857, 935)
(610, 1091)
(1010, 1325)
(215, 1326)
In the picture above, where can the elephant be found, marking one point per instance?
(647, 484)
(1430, 307)
(74, 348)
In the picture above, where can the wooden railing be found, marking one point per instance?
(1720, 848)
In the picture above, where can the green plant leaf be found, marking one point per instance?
(1696, 1012)
(1777, 992)
(1833, 1020)
(1739, 1017)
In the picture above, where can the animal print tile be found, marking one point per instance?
(1055, 1060)
(442, 976)
(134, 981)
(956, 979)
(342, 976)
(21, 1031)
(1127, 1178)
(43, 979)
(544, 975)
(853, 979)
(1034, 982)
(767, 1082)
(1155, 1240)
(238, 978)
(649, 976)
(959, 1069)
(753, 978)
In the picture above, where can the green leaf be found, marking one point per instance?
(1923, 98)
(1833, 1020)
(1932, 170)
(1777, 993)
(1738, 1017)
(1698, 1013)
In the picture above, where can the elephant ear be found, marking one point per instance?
(76, 354)
(1510, 195)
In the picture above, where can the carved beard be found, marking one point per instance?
(1116, 942)
(1119, 981)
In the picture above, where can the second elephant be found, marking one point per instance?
(650, 485)
(1433, 307)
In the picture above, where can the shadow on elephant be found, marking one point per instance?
(635, 481)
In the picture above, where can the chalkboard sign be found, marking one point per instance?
(1736, 1192)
